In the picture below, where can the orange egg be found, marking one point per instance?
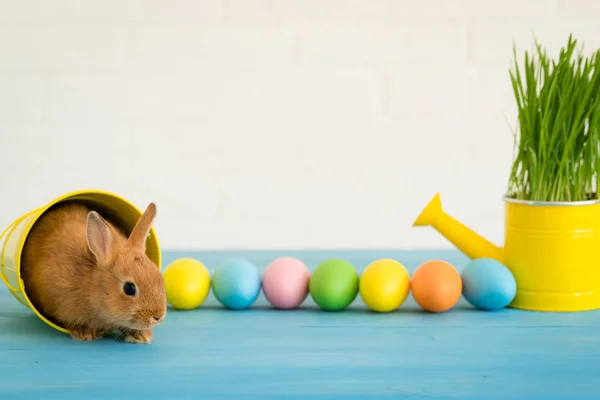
(436, 286)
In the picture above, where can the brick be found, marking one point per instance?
(27, 11)
(139, 11)
(376, 45)
(63, 154)
(430, 93)
(73, 11)
(66, 47)
(511, 9)
(29, 190)
(190, 197)
(470, 10)
(84, 100)
(110, 11)
(176, 11)
(20, 100)
(340, 10)
(327, 214)
(260, 98)
(493, 114)
(217, 120)
(269, 11)
(305, 11)
(190, 47)
(428, 10)
(491, 44)
(579, 8)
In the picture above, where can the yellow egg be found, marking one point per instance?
(384, 285)
(187, 283)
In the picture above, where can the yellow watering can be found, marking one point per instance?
(552, 249)
(14, 237)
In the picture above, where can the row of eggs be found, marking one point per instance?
(334, 284)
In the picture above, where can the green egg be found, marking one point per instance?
(333, 285)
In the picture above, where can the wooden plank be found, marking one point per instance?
(267, 354)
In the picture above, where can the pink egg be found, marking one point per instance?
(285, 282)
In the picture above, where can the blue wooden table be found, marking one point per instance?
(261, 353)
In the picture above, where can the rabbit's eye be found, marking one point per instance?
(129, 288)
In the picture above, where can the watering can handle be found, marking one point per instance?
(10, 228)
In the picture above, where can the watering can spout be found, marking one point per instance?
(470, 243)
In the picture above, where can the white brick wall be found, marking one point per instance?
(267, 123)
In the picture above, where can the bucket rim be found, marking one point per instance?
(37, 213)
(512, 200)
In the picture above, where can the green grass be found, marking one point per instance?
(558, 132)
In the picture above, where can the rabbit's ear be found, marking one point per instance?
(99, 237)
(141, 230)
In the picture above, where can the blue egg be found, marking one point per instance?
(488, 284)
(236, 284)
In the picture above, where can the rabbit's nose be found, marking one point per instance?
(158, 318)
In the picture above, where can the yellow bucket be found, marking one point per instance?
(14, 237)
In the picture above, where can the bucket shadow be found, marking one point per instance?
(17, 326)
(21, 330)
